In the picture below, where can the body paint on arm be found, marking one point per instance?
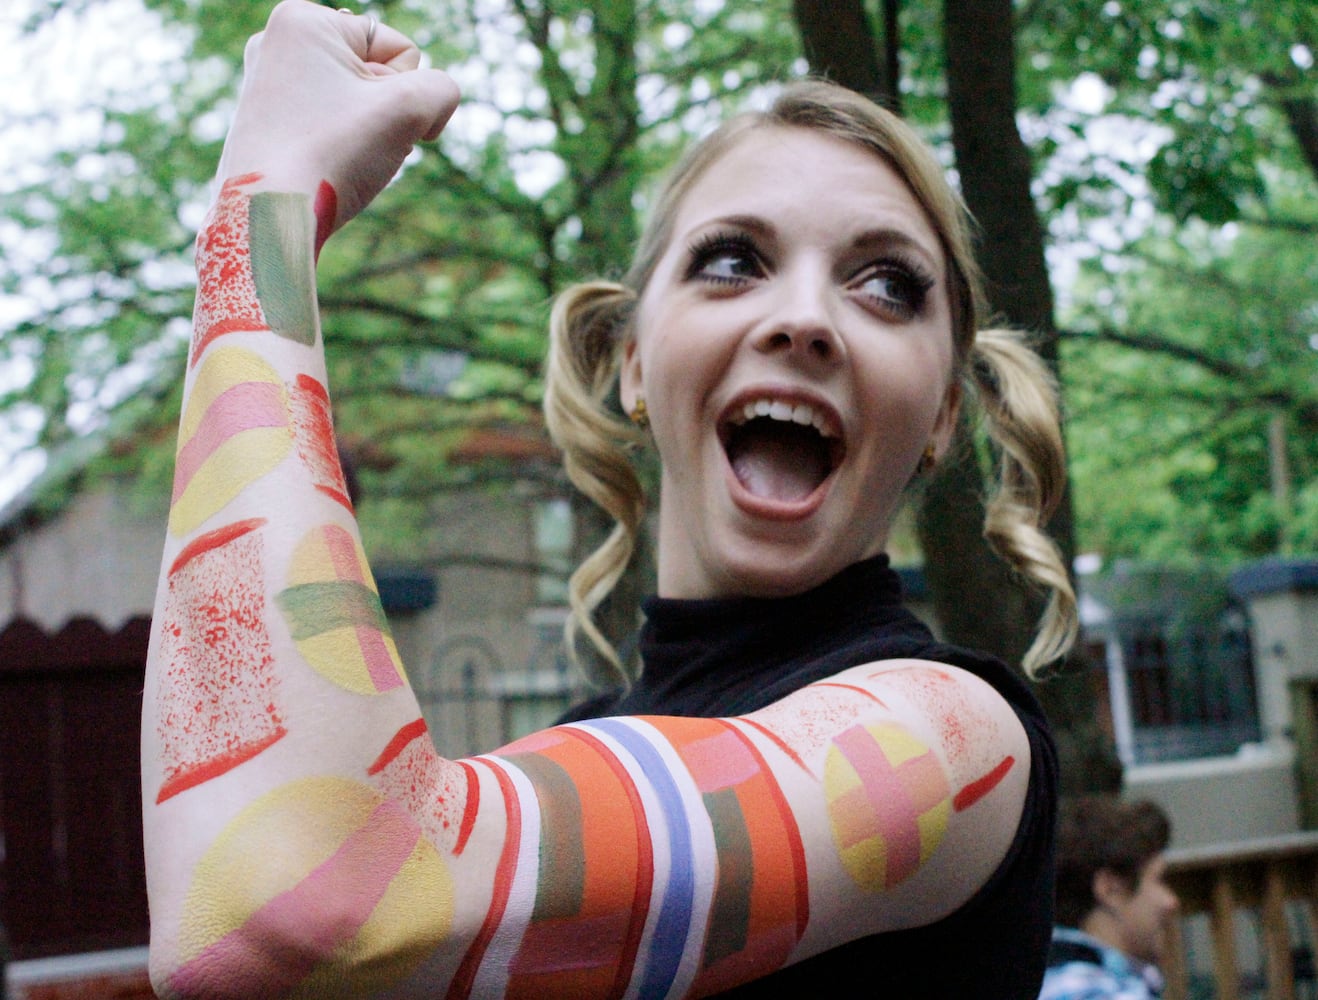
(255, 266)
(333, 611)
(236, 428)
(379, 895)
(218, 693)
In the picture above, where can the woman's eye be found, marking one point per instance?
(896, 288)
(725, 260)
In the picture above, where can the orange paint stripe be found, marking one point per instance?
(793, 833)
(213, 540)
(644, 861)
(980, 787)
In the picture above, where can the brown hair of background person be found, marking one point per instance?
(1098, 833)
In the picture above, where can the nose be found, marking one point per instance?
(801, 323)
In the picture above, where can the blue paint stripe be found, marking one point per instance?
(670, 932)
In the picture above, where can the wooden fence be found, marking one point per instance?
(1277, 879)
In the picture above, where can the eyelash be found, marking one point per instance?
(895, 267)
(714, 245)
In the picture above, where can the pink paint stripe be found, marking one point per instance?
(380, 666)
(342, 551)
(244, 407)
(719, 761)
(348, 885)
(893, 810)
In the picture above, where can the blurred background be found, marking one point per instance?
(1145, 178)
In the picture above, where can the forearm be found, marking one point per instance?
(274, 692)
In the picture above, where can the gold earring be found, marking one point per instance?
(928, 459)
(640, 416)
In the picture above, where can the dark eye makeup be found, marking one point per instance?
(724, 259)
(891, 282)
(896, 284)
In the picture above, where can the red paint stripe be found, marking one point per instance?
(790, 830)
(394, 747)
(313, 387)
(503, 887)
(214, 540)
(191, 777)
(644, 863)
(470, 809)
(326, 209)
(855, 689)
(977, 789)
(776, 740)
(241, 180)
(337, 496)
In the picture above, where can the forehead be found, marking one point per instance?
(798, 178)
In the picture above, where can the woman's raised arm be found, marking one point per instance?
(304, 838)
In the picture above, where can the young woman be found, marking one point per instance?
(801, 784)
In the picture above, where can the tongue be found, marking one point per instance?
(778, 461)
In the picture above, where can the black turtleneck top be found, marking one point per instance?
(725, 657)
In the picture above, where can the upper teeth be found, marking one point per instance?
(796, 413)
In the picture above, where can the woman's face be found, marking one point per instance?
(794, 350)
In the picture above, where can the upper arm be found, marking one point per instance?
(710, 851)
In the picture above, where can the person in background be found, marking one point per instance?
(1114, 906)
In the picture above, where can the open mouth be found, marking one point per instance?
(781, 451)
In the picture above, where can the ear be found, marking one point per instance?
(945, 423)
(629, 376)
(1109, 888)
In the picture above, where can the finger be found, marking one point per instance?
(390, 50)
(432, 97)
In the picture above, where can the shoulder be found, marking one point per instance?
(918, 744)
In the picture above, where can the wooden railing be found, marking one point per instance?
(1266, 876)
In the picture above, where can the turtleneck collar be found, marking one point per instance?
(705, 655)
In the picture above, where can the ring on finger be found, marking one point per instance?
(371, 25)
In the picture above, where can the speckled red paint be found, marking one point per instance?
(808, 720)
(219, 697)
(433, 790)
(313, 429)
(226, 290)
(961, 726)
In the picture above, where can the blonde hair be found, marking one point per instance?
(591, 323)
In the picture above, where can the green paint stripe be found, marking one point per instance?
(561, 887)
(283, 233)
(730, 915)
(312, 609)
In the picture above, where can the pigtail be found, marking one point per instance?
(1018, 396)
(586, 330)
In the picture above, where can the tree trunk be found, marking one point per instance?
(995, 171)
(839, 44)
